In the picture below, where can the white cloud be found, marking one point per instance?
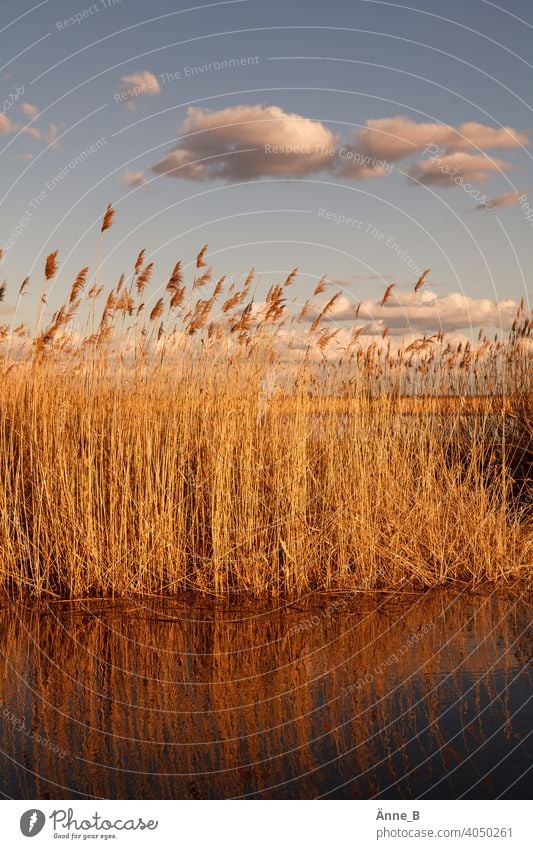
(456, 169)
(506, 199)
(133, 86)
(6, 126)
(243, 142)
(29, 110)
(253, 141)
(427, 312)
(34, 132)
(397, 138)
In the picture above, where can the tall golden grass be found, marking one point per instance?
(194, 440)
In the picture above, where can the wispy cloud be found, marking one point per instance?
(33, 132)
(500, 201)
(133, 179)
(445, 170)
(6, 126)
(50, 136)
(397, 138)
(133, 86)
(29, 110)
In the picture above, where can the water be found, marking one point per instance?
(406, 697)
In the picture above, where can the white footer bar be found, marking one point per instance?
(260, 824)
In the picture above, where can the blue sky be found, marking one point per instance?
(234, 123)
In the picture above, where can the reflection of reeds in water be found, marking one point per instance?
(149, 702)
(147, 456)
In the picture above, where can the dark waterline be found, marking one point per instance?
(336, 698)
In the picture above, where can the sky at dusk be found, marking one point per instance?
(364, 140)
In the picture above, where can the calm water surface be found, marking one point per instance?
(394, 697)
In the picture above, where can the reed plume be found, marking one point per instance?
(107, 220)
(50, 268)
(200, 258)
(388, 293)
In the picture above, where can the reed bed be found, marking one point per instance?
(180, 435)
